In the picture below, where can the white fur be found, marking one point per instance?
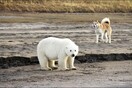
(50, 49)
(105, 19)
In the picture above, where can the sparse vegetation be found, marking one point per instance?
(64, 17)
(71, 6)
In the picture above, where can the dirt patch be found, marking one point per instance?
(98, 74)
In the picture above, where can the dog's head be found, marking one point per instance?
(95, 25)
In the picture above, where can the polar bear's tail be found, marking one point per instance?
(106, 20)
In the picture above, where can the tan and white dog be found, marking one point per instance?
(103, 28)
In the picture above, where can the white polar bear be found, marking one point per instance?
(62, 50)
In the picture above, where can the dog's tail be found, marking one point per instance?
(106, 20)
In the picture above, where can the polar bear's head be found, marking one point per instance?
(71, 50)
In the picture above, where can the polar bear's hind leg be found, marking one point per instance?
(52, 64)
(43, 61)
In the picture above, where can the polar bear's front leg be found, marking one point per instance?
(70, 63)
(62, 63)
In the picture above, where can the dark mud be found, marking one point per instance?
(88, 58)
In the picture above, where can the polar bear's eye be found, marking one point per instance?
(75, 50)
(70, 50)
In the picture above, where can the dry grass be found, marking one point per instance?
(66, 5)
(63, 18)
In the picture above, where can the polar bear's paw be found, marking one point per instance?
(54, 68)
(64, 69)
(73, 68)
(67, 69)
(46, 69)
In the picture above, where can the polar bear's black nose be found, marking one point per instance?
(73, 55)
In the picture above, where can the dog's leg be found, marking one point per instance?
(109, 35)
(102, 36)
(106, 37)
(97, 38)
(109, 38)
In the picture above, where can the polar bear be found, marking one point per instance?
(62, 50)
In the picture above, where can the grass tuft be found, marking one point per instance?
(71, 6)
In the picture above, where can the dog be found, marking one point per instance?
(103, 28)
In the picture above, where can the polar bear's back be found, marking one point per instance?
(52, 41)
(51, 46)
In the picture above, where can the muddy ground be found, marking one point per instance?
(98, 74)
(20, 40)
